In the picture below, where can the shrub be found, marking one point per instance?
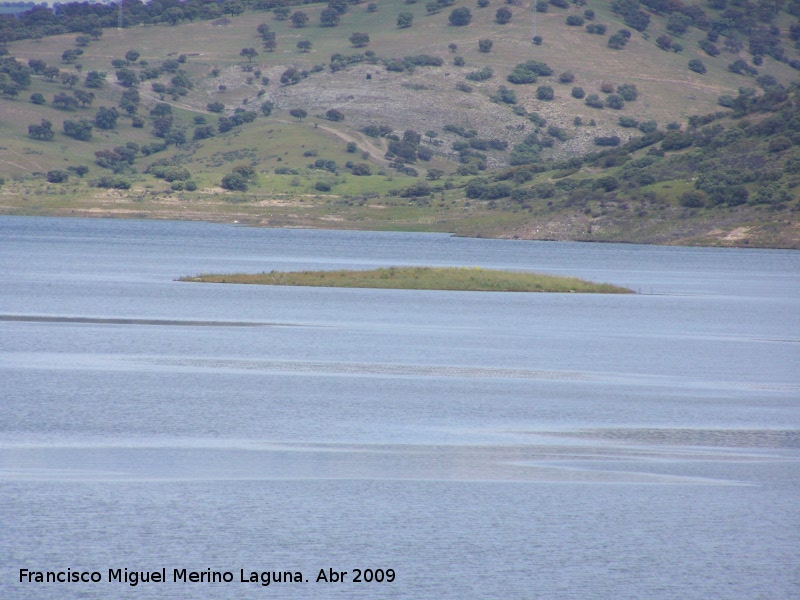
(485, 45)
(480, 75)
(615, 101)
(779, 144)
(597, 28)
(612, 140)
(577, 92)
(628, 92)
(528, 72)
(503, 15)
(114, 182)
(234, 182)
(575, 21)
(566, 77)
(404, 20)
(57, 176)
(334, 115)
(322, 186)
(648, 126)
(697, 66)
(594, 101)
(505, 95)
(692, 199)
(460, 17)
(544, 92)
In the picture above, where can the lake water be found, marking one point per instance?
(479, 445)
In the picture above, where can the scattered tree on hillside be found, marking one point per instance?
(334, 115)
(290, 76)
(329, 17)
(106, 118)
(697, 66)
(485, 45)
(304, 46)
(64, 101)
(270, 41)
(83, 97)
(299, 18)
(95, 79)
(127, 78)
(545, 92)
(404, 20)
(359, 40)
(51, 72)
(69, 79)
(249, 53)
(298, 113)
(460, 17)
(80, 130)
(43, 131)
(503, 15)
(132, 56)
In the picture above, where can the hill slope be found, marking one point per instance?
(407, 131)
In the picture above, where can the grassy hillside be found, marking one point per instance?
(500, 163)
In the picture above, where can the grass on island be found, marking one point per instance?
(422, 278)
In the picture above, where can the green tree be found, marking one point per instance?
(299, 18)
(304, 46)
(43, 131)
(248, 53)
(544, 92)
(298, 113)
(334, 115)
(281, 13)
(127, 78)
(106, 118)
(485, 45)
(38, 98)
(290, 76)
(359, 39)
(80, 130)
(503, 15)
(132, 56)
(51, 72)
(95, 79)
(84, 97)
(234, 182)
(64, 101)
(404, 20)
(37, 66)
(329, 17)
(697, 66)
(69, 79)
(57, 176)
(460, 17)
(130, 101)
(215, 107)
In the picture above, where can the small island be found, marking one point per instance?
(421, 278)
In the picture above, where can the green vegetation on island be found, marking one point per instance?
(421, 278)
